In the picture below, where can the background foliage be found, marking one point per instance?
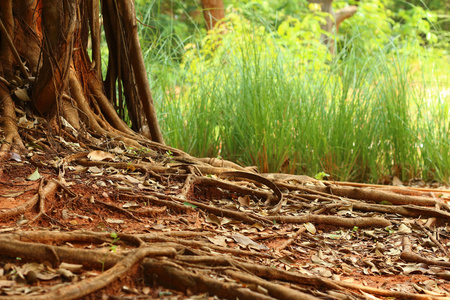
(263, 90)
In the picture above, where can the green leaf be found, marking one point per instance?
(334, 236)
(321, 175)
(390, 230)
(35, 175)
(190, 204)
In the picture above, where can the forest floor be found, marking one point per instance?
(103, 221)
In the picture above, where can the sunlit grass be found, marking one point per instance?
(357, 118)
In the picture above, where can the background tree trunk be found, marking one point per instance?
(213, 11)
(333, 21)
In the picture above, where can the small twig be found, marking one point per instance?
(65, 188)
(150, 212)
(39, 143)
(291, 240)
(113, 207)
(3, 80)
(154, 200)
(221, 212)
(200, 245)
(432, 238)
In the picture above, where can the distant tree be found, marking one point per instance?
(213, 11)
(334, 20)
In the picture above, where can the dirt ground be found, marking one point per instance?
(209, 237)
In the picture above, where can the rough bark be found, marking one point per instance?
(28, 26)
(137, 62)
(126, 69)
(94, 23)
(44, 54)
(7, 24)
(58, 23)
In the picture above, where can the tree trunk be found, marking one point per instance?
(58, 24)
(138, 65)
(44, 54)
(213, 12)
(333, 21)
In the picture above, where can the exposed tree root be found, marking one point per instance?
(193, 180)
(334, 220)
(259, 179)
(41, 202)
(12, 139)
(245, 199)
(260, 278)
(170, 272)
(49, 188)
(411, 191)
(404, 210)
(410, 256)
(389, 197)
(177, 277)
(87, 286)
(275, 290)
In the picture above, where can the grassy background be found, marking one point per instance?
(254, 97)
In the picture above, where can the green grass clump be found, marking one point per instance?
(249, 97)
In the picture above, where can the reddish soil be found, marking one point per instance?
(97, 202)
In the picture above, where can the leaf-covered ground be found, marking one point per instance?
(87, 217)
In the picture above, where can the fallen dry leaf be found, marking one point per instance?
(99, 155)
